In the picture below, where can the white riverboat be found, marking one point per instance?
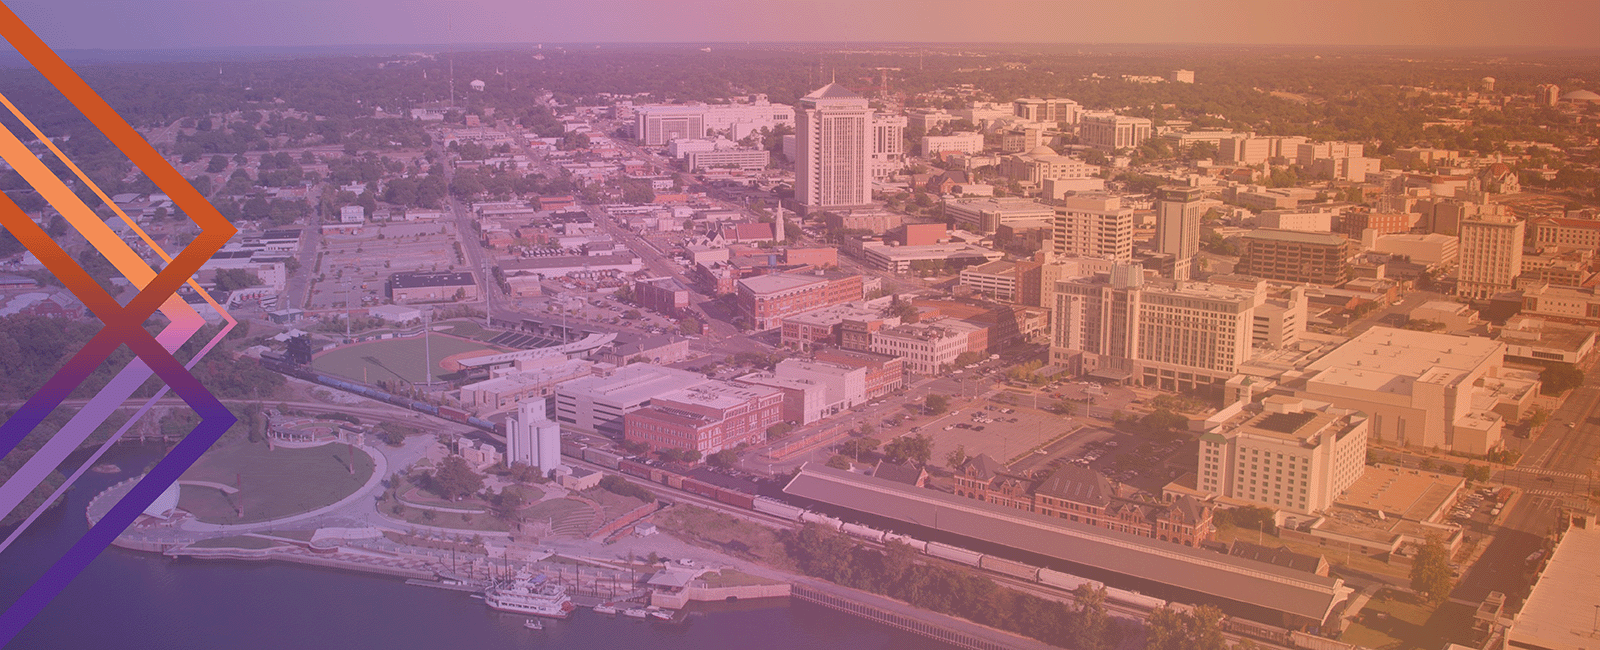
(536, 595)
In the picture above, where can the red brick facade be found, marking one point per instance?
(726, 418)
(1082, 495)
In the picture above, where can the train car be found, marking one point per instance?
(1008, 567)
(819, 518)
(736, 498)
(602, 458)
(865, 532)
(1134, 598)
(573, 448)
(671, 480)
(776, 508)
(694, 486)
(919, 545)
(452, 413)
(954, 553)
(1065, 581)
(485, 424)
(634, 468)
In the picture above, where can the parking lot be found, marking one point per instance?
(603, 308)
(356, 266)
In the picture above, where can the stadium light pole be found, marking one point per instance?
(427, 350)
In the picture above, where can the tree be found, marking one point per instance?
(618, 485)
(217, 164)
(936, 403)
(917, 447)
(956, 456)
(968, 358)
(1063, 407)
(902, 309)
(857, 446)
(235, 279)
(524, 473)
(1538, 418)
(507, 503)
(454, 479)
(1558, 378)
(637, 192)
(839, 461)
(1091, 624)
(1476, 472)
(724, 459)
(574, 141)
(1167, 629)
(1430, 570)
(1164, 420)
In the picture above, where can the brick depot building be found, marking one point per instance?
(766, 299)
(707, 418)
(1082, 495)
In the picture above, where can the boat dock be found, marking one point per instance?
(470, 588)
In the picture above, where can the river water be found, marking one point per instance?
(127, 599)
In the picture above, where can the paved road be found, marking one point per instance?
(1503, 566)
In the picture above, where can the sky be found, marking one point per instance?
(185, 24)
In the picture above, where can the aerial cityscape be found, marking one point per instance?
(900, 343)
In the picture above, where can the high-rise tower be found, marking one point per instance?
(833, 129)
(1178, 212)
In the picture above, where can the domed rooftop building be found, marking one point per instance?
(1581, 96)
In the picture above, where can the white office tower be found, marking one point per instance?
(834, 129)
(532, 438)
(1178, 212)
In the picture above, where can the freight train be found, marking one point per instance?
(276, 363)
(732, 497)
(782, 510)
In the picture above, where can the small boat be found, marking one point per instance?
(533, 624)
(635, 612)
(604, 608)
(660, 614)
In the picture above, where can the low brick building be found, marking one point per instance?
(707, 418)
(1083, 495)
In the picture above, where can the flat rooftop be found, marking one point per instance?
(778, 282)
(1401, 492)
(634, 383)
(415, 279)
(1253, 583)
(833, 314)
(934, 251)
(1391, 360)
(1559, 613)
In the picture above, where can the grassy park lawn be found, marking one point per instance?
(272, 483)
(1395, 620)
(732, 578)
(394, 359)
(554, 510)
(614, 505)
(724, 532)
